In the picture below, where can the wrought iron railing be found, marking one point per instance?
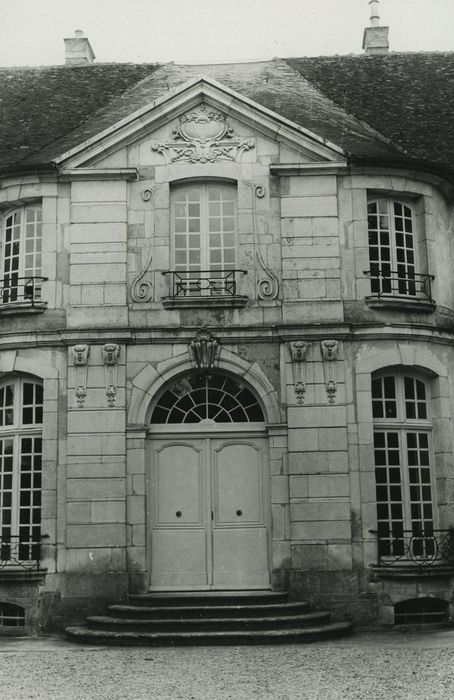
(397, 283)
(14, 289)
(19, 551)
(200, 283)
(423, 548)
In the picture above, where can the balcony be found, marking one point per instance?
(400, 289)
(21, 295)
(410, 553)
(204, 288)
(18, 552)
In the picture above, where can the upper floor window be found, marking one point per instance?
(21, 256)
(392, 251)
(203, 226)
(403, 469)
(21, 417)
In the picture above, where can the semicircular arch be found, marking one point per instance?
(150, 380)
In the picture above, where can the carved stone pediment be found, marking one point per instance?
(203, 136)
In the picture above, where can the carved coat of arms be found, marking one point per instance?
(203, 136)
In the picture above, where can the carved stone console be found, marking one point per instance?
(80, 359)
(110, 355)
(298, 352)
(329, 349)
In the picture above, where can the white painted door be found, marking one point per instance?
(208, 514)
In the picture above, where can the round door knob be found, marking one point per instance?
(178, 513)
(239, 512)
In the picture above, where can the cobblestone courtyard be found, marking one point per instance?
(374, 666)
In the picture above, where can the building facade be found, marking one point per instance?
(226, 341)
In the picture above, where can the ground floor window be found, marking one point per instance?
(403, 469)
(21, 408)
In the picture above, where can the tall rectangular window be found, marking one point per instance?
(403, 477)
(21, 404)
(21, 255)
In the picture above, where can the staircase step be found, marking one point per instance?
(280, 636)
(208, 624)
(206, 611)
(190, 599)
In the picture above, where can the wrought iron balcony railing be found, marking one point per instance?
(19, 551)
(203, 283)
(422, 548)
(14, 289)
(386, 283)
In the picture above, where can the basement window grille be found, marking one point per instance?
(11, 615)
(420, 611)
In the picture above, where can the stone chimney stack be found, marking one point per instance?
(78, 51)
(375, 39)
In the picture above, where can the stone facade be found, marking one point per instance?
(303, 331)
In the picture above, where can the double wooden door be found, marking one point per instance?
(208, 514)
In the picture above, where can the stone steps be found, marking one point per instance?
(208, 619)
(218, 624)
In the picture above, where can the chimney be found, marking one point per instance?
(375, 39)
(78, 51)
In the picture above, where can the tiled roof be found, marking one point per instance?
(371, 106)
(408, 97)
(39, 105)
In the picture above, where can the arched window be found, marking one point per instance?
(21, 255)
(21, 417)
(403, 471)
(203, 222)
(391, 230)
(216, 397)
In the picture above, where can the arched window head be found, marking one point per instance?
(216, 398)
(21, 255)
(21, 416)
(403, 464)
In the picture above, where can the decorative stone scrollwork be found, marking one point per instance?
(202, 136)
(110, 356)
(80, 359)
(141, 290)
(204, 349)
(298, 352)
(329, 350)
(260, 191)
(147, 194)
(268, 286)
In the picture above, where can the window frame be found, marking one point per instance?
(404, 426)
(205, 263)
(395, 282)
(15, 433)
(21, 257)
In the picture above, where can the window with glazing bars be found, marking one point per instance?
(21, 415)
(402, 454)
(203, 218)
(21, 255)
(391, 247)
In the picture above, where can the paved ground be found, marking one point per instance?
(372, 666)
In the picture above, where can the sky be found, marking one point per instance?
(204, 31)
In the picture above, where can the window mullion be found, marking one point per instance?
(204, 236)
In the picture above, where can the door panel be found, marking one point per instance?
(178, 541)
(208, 515)
(238, 483)
(240, 558)
(240, 550)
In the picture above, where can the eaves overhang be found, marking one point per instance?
(436, 173)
